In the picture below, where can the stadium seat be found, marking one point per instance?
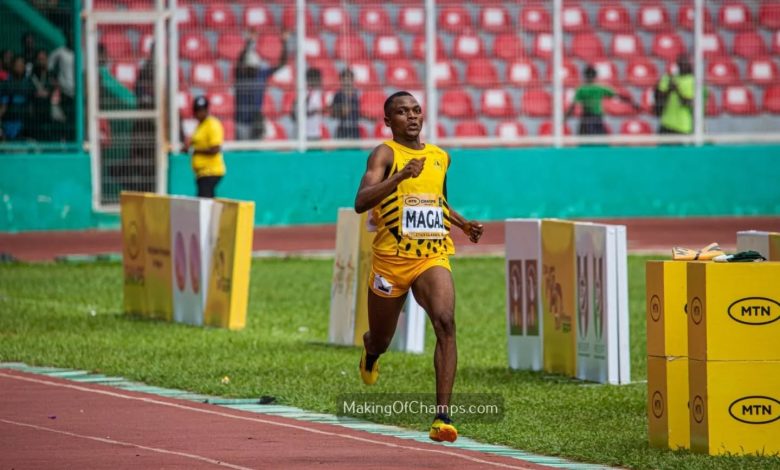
(711, 107)
(350, 47)
(108, 5)
(117, 44)
(269, 46)
(614, 18)
(289, 20)
(221, 103)
(497, 103)
(445, 74)
(328, 73)
(374, 19)
(575, 19)
(535, 19)
(546, 128)
(735, 16)
(274, 131)
(586, 46)
(522, 72)
(616, 107)
(510, 130)
(194, 46)
(769, 14)
(205, 74)
(184, 103)
(456, 103)
(668, 46)
(749, 44)
(495, 19)
(229, 128)
(481, 73)
(568, 98)
(419, 48)
(571, 73)
(543, 46)
(314, 48)
(626, 45)
(653, 17)
(508, 46)
(286, 108)
(722, 71)
(364, 73)
(468, 46)
(685, 17)
(772, 99)
(219, 16)
(470, 128)
(186, 17)
(126, 72)
(381, 131)
(402, 74)
(388, 47)
(606, 71)
(738, 100)
(284, 78)
(371, 104)
(763, 71)
(454, 19)
(641, 71)
(335, 19)
(411, 19)
(776, 43)
(635, 127)
(712, 44)
(536, 102)
(145, 43)
(229, 46)
(258, 16)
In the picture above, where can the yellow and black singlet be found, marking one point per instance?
(414, 221)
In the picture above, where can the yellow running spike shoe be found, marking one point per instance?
(443, 430)
(369, 376)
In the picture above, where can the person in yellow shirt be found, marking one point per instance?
(405, 187)
(206, 147)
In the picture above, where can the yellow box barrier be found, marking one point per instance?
(734, 311)
(558, 297)
(735, 407)
(667, 402)
(667, 322)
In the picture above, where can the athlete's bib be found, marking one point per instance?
(423, 217)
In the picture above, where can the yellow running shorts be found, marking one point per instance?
(392, 276)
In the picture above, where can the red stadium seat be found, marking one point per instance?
(653, 17)
(221, 103)
(289, 20)
(641, 71)
(411, 19)
(258, 16)
(535, 19)
(776, 43)
(543, 46)
(445, 74)
(536, 102)
(230, 45)
(522, 72)
(497, 103)
(614, 18)
(350, 47)
(274, 131)
(481, 73)
(722, 71)
(314, 48)
(738, 100)
(749, 44)
(374, 19)
(508, 46)
(402, 74)
(103, 5)
(711, 108)
(206, 74)
(328, 72)
(219, 16)
(184, 104)
(575, 19)
(269, 46)
(194, 46)
(388, 47)
(510, 130)
(419, 48)
(335, 19)
(571, 74)
(454, 19)
(186, 17)
(635, 127)
(117, 44)
(125, 72)
(456, 104)
(495, 19)
(606, 71)
(468, 46)
(769, 14)
(772, 99)
(713, 46)
(546, 128)
(364, 73)
(685, 17)
(763, 71)
(616, 107)
(735, 16)
(371, 104)
(287, 107)
(381, 131)
(471, 128)
(284, 78)
(586, 46)
(668, 46)
(229, 128)
(627, 45)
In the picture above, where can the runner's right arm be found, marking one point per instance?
(375, 185)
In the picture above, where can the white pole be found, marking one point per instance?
(173, 82)
(557, 72)
(698, 54)
(161, 175)
(431, 99)
(300, 72)
(92, 91)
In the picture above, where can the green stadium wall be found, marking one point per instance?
(53, 191)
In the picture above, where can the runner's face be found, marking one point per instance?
(405, 117)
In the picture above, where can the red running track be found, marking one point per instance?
(52, 423)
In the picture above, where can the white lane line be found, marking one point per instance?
(127, 444)
(263, 421)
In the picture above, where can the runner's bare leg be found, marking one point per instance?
(382, 320)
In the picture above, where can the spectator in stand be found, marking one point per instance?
(61, 67)
(314, 105)
(674, 97)
(589, 96)
(346, 107)
(15, 95)
(43, 108)
(6, 57)
(28, 51)
(252, 75)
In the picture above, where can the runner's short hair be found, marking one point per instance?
(389, 100)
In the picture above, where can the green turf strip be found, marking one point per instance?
(68, 315)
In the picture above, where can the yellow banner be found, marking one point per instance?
(133, 252)
(159, 286)
(364, 271)
(558, 296)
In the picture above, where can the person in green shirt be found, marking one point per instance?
(590, 96)
(674, 99)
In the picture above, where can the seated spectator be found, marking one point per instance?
(346, 107)
(61, 64)
(43, 109)
(15, 95)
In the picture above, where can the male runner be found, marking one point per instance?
(405, 187)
